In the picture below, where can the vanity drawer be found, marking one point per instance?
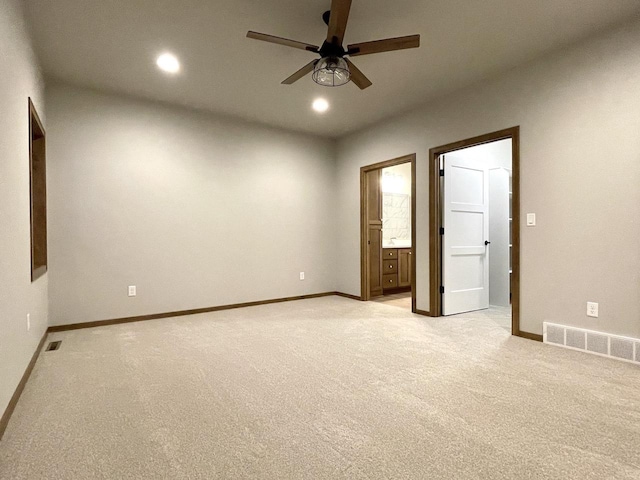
(388, 253)
(389, 266)
(389, 281)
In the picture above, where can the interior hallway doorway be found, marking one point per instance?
(474, 223)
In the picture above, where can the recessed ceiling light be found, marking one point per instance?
(168, 63)
(320, 105)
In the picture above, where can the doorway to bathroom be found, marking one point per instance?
(387, 219)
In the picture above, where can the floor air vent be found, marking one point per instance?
(53, 346)
(604, 344)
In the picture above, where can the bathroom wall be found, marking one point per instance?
(396, 205)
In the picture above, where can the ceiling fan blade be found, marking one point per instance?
(357, 76)
(282, 41)
(387, 45)
(308, 68)
(338, 21)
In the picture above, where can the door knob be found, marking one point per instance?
(487, 242)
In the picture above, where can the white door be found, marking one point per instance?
(465, 262)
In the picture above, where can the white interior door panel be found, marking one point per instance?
(465, 262)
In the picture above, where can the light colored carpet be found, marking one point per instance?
(496, 314)
(321, 389)
(499, 315)
(402, 300)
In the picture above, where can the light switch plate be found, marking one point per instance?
(301, 275)
(531, 219)
(132, 290)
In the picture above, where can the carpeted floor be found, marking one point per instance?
(494, 314)
(321, 389)
(402, 300)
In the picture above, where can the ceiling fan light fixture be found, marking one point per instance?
(331, 72)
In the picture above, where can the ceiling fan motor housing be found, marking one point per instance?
(331, 50)
(326, 16)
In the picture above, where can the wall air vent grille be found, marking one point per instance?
(576, 339)
(622, 348)
(53, 346)
(599, 343)
(555, 334)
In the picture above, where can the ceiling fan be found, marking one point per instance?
(333, 69)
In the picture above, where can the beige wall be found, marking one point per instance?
(580, 165)
(19, 79)
(195, 210)
(199, 210)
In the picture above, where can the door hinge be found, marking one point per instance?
(441, 288)
(368, 242)
(441, 230)
(442, 172)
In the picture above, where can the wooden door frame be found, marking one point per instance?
(38, 225)
(435, 240)
(364, 290)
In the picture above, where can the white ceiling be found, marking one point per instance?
(112, 45)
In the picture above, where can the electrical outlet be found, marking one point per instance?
(301, 275)
(592, 309)
(28, 322)
(132, 290)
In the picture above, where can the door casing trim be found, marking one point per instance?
(435, 241)
(364, 291)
